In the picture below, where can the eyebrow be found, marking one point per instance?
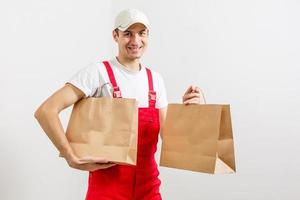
(130, 31)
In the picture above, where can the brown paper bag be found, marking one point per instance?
(198, 138)
(105, 128)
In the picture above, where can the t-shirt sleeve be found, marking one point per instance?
(162, 100)
(86, 79)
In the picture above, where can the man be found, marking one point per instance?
(130, 79)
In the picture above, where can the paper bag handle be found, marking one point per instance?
(101, 89)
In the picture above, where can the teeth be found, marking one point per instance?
(133, 48)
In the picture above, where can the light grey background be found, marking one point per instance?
(245, 53)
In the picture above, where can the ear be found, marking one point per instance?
(115, 35)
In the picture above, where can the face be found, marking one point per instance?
(132, 42)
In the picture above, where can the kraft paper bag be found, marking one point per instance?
(104, 128)
(199, 138)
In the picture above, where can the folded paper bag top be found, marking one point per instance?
(198, 138)
(104, 128)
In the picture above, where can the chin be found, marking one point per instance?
(135, 56)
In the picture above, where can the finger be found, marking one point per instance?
(192, 101)
(89, 166)
(191, 95)
(94, 160)
(197, 89)
(193, 88)
(108, 165)
(85, 161)
(103, 166)
(90, 158)
(188, 90)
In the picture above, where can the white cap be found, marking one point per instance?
(128, 17)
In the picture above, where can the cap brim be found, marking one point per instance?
(134, 22)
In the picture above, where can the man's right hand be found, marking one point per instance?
(89, 164)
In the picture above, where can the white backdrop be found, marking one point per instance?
(245, 53)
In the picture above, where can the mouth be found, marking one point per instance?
(134, 48)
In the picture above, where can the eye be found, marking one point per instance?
(143, 33)
(127, 34)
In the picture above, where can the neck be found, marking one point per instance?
(133, 64)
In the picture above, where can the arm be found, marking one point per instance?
(48, 117)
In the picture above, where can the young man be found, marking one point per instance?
(130, 79)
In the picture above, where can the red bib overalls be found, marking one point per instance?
(139, 182)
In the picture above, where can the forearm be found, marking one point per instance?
(51, 124)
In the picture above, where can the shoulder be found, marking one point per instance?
(94, 69)
(88, 70)
(93, 66)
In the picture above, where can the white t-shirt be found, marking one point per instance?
(93, 80)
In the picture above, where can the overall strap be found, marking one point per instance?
(152, 93)
(116, 89)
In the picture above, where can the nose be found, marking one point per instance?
(135, 39)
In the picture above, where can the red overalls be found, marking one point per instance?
(139, 182)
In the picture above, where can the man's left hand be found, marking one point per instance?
(192, 95)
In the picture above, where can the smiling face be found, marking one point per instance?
(132, 42)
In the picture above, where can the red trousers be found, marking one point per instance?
(138, 182)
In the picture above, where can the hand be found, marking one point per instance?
(88, 164)
(192, 96)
